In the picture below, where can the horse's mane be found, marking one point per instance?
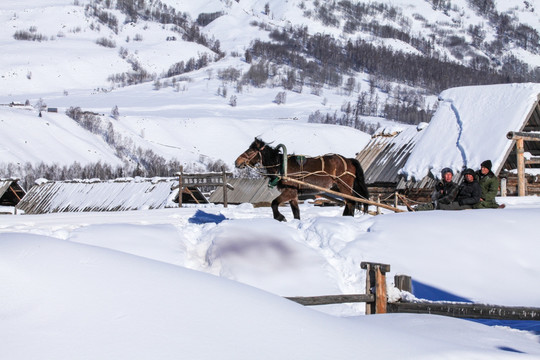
(270, 155)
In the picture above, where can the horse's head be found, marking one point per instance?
(252, 155)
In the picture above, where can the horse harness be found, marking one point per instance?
(301, 160)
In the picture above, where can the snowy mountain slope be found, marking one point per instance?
(71, 59)
(52, 138)
(57, 139)
(68, 52)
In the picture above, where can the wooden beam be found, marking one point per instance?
(188, 191)
(14, 192)
(467, 310)
(515, 135)
(534, 161)
(366, 265)
(332, 299)
(345, 196)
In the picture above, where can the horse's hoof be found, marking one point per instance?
(281, 218)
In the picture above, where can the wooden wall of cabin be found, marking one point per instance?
(533, 184)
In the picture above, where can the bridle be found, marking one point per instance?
(248, 159)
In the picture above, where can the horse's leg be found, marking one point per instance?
(345, 188)
(286, 195)
(349, 208)
(294, 207)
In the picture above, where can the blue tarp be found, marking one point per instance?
(201, 217)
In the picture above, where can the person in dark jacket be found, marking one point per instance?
(445, 192)
(468, 195)
(489, 184)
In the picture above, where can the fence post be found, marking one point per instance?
(521, 167)
(503, 186)
(224, 177)
(376, 284)
(403, 282)
(180, 187)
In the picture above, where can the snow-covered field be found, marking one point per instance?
(158, 284)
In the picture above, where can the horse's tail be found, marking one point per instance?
(360, 188)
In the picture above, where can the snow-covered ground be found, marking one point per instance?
(160, 284)
(155, 285)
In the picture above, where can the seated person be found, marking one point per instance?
(468, 195)
(444, 192)
(489, 184)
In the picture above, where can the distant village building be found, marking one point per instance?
(11, 193)
(385, 154)
(96, 195)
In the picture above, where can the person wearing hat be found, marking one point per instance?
(444, 193)
(468, 195)
(489, 184)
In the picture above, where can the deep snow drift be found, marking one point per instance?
(133, 284)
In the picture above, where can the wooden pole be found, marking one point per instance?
(345, 196)
(180, 187)
(396, 199)
(224, 177)
(370, 306)
(520, 166)
(376, 282)
(381, 298)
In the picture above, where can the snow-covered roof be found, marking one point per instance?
(470, 126)
(387, 152)
(78, 196)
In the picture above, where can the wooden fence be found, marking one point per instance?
(377, 301)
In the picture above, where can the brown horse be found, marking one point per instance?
(331, 171)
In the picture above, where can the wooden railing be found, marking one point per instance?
(377, 301)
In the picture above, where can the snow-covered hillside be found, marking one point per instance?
(70, 58)
(62, 54)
